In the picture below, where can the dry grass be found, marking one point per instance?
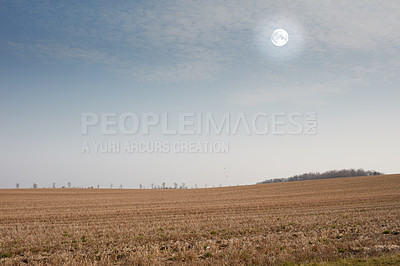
(297, 222)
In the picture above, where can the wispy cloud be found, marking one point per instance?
(307, 92)
(192, 40)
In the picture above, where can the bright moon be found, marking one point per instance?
(279, 37)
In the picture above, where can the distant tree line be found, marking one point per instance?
(153, 186)
(324, 175)
(164, 186)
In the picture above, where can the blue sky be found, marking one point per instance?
(60, 59)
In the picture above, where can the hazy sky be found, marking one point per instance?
(59, 59)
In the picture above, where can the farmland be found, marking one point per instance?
(319, 221)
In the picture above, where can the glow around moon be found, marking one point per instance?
(272, 39)
(279, 37)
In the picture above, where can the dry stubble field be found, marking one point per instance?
(298, 222)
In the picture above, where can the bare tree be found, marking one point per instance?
(34, 185)
(152, 185)
(183, 185)
(111, 185)
(120, 186)
(98, 186)
(17, 185)
(163, 185)
(53, 185)
(69, 184)
(140, 186)
(175, 185)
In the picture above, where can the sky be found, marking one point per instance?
(62, 60)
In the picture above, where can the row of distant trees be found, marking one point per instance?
(164, 186)
(324, 175)
(17, 185)
(69, 185)
(175, 186)
(153, 186)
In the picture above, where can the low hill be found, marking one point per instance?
(324, 175)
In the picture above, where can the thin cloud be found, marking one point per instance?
(311, 92)
(192, 40)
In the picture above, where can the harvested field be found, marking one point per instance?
(298, 222)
